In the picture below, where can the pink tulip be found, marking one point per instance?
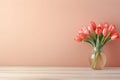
(85, 30)
(99, 29)
(77, 38)
(105, 25)
(90, 29)
(112, 29)
(80, 31)
(80, 37)
(83, 36)
(115, 36)
(105, 31)
(93, 25)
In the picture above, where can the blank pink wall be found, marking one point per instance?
(41, 32)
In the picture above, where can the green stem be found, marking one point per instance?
(94, 63)
(105, 38)
(98, 45)
(97, 51)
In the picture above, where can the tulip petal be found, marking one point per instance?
(105, 31)
(99, 29)
(115, 36)
(93, 25)
(112, 29)
(105, 25)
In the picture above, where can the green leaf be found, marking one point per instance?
(107, 40)
(100, 37)
(89, 40)
(95, 38)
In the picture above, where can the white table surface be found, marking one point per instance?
(58, 73)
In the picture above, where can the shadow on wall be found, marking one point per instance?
(113, 53)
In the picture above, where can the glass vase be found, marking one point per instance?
(97, 59)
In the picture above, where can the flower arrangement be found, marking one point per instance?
(97, 36)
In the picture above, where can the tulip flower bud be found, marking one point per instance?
(77, 38)
(93, 25)
(90, 29)
(105, 31)
(85, 30)
(105, 25)
(80, 31)
(99, 29)
(115, 36)
(112, 29)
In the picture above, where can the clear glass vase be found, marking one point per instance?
(97, 59)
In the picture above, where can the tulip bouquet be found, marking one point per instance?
(97, 36)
